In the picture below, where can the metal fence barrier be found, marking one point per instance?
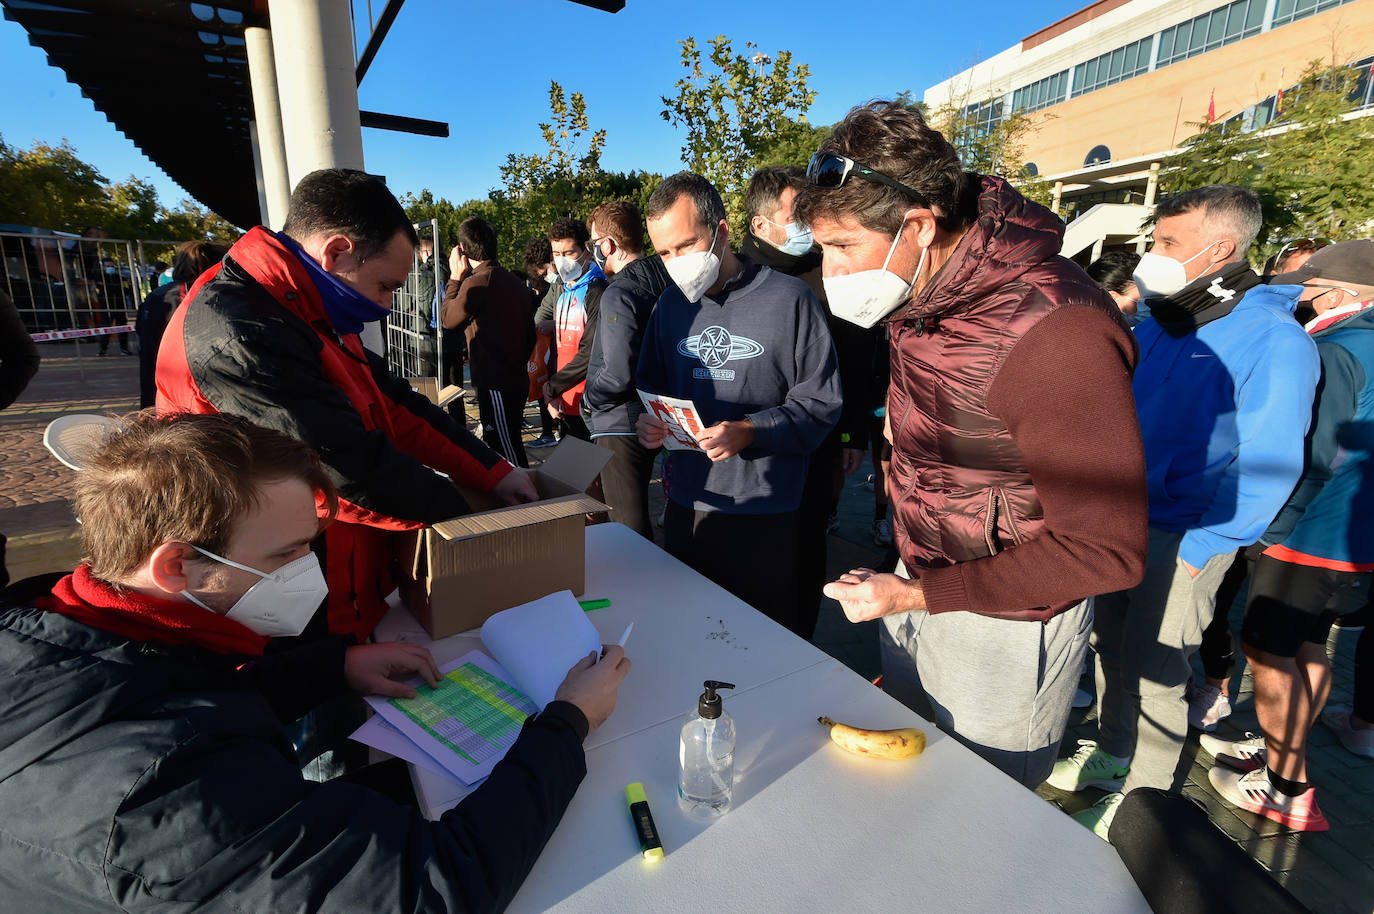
(66, 287)
(414, 334)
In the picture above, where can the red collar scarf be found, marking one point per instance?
(87, 599)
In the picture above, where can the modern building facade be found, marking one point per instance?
(1122, 83)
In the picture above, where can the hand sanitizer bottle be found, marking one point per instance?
(707, 756)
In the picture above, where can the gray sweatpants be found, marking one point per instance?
(1145, 638)
(1000, 687)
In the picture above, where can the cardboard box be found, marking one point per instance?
(429, 386)
(501, 556)
(449, 397)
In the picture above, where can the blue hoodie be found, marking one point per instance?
(1223, 414)
(761, 350)
(1330, 515)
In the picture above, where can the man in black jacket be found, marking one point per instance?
(143, 765)
(493, 308)
(777, 240)
(611, 399)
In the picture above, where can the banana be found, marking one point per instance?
(907, 742)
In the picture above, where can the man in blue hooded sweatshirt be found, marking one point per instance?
(750, 348)
(1224, 392)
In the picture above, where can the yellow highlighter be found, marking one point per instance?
(649, 844)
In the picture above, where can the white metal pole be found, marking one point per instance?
(274, 185)
(312, 47)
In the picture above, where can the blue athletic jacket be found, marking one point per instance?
(1330, 514)
(1223, 414)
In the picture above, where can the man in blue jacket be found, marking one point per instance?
(1314, 560)
(1224, 392)
(750, 348)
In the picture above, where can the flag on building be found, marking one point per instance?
(1278, 98)
(1212, 108)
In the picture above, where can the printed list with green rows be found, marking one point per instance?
(471, 711)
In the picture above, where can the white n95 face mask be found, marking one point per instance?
(696, 272)
(1157, 276)
(868, 296)
(569, 269)
(282, 603)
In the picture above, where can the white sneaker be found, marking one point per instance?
(1088, 767)
(1246, 754)
(1098, 817)
(1360, 742)
(1207, 706)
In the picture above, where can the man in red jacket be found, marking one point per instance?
(1018, 476)
(272, 335)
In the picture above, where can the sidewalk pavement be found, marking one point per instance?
(1329, 872)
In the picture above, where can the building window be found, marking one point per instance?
(1113, 67)
(1041, 94)
(1286, 11)
(984, 117)
(1207, 32)
(1098, 155)
(1030, 170)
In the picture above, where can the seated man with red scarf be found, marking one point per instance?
(143, 761)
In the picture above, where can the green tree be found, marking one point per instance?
(1310, 166)
(1322, 165)
(737, 109)
(51, 187)
(192, 222)
(991, 140)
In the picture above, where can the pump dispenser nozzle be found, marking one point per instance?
(708, 705)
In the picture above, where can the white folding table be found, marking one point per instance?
(812, 827)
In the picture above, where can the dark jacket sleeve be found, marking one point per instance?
(547, 307)
(270, 372)
(297, 681)
(463, 300)
(263, 839)
(1335, 405)
(431, 435)
(800, 423)
(651, 373)
(854, 348)
(571, 374)
(18, 354)
(611, 374)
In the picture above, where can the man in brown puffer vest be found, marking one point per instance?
(1018, 476)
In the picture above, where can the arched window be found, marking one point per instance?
(1030, 170)
(1098, 155)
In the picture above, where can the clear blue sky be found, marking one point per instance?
(485, 68)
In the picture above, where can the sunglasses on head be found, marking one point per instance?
(830, 171)
(1301, 246)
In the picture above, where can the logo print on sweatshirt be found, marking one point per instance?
(713, 347)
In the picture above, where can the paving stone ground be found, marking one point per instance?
(1331, 872)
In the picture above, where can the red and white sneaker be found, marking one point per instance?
(1241, 755)
(1253, 793)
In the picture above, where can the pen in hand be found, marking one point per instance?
(623, 638)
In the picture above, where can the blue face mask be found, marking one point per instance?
(799, 240)
(348, 310)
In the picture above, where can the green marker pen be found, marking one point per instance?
(649, 843)
(589, 605)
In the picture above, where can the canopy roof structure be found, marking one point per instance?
(172, 76)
